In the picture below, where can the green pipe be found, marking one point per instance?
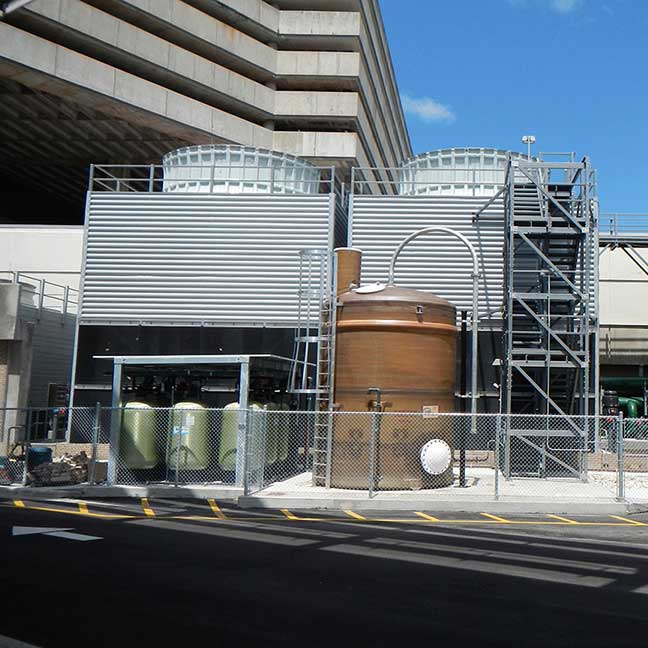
(632, 406)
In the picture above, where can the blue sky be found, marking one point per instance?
(574, 73)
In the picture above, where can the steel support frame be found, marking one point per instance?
(242, 438)
(574, 334)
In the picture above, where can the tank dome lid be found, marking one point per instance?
(382, 293)
(370, 288)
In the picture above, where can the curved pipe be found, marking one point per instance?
(430, 230)
(475, 300)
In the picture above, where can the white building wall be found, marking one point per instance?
(623, 293)
(43, 252)
(52, 254)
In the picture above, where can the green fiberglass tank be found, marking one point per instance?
(229, 435)
(138, 448)
(271, 435)
(188, 447)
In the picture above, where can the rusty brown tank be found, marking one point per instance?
(402, 341)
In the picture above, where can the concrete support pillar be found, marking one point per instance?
(15, 361)
(15, 376)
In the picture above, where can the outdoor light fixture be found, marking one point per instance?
(528, 140)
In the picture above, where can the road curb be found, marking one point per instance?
(552, 506)
(223, 494)
(233, 495)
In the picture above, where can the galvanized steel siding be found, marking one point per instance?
(435, 262)
(199, 258)
(52, 348)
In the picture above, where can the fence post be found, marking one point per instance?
(95, 442)
(244, 447)
(498, 428)
(27, 436)
(179, 431)
(329, 446)
(620, 462)
(372, 452)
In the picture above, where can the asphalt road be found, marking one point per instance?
(177, 574)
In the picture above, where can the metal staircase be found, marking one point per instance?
(551, 311)
(314, 352)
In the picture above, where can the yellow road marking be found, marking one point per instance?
(634, 522)
(288, 514)
(563, 519)
(497, 518)
(110, 516)
(148, 511)
(216, 509)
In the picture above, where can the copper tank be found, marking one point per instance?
(402, 341)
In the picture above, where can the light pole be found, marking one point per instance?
(528, 140)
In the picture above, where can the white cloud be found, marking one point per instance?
(564, 6)
(559, 6)
(428, 109)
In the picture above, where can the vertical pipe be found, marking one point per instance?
(463, 381)
(95, 441)
(474, 355)
(374, 441)
(620, 428)
(243, 428)
(372, 454)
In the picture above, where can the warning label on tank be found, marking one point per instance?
(430, 410)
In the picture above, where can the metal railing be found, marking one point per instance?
(43, 294)
(618, 225)
(232, 179)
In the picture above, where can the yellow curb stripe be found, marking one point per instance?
(83, 508)
(110, 516)
(288, 514)
(355, 515)
(216, 509)
(19, 504)
(623, 519)
(148, 511)
(425, 516)
(563, 519)
(496, 518)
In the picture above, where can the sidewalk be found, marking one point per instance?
(596, 496)
(558, 496)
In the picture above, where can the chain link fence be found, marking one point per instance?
(297, 452)
(35, 447)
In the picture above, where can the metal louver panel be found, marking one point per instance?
(437, 262)
(162, 258)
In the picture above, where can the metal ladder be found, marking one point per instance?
(314, 348)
